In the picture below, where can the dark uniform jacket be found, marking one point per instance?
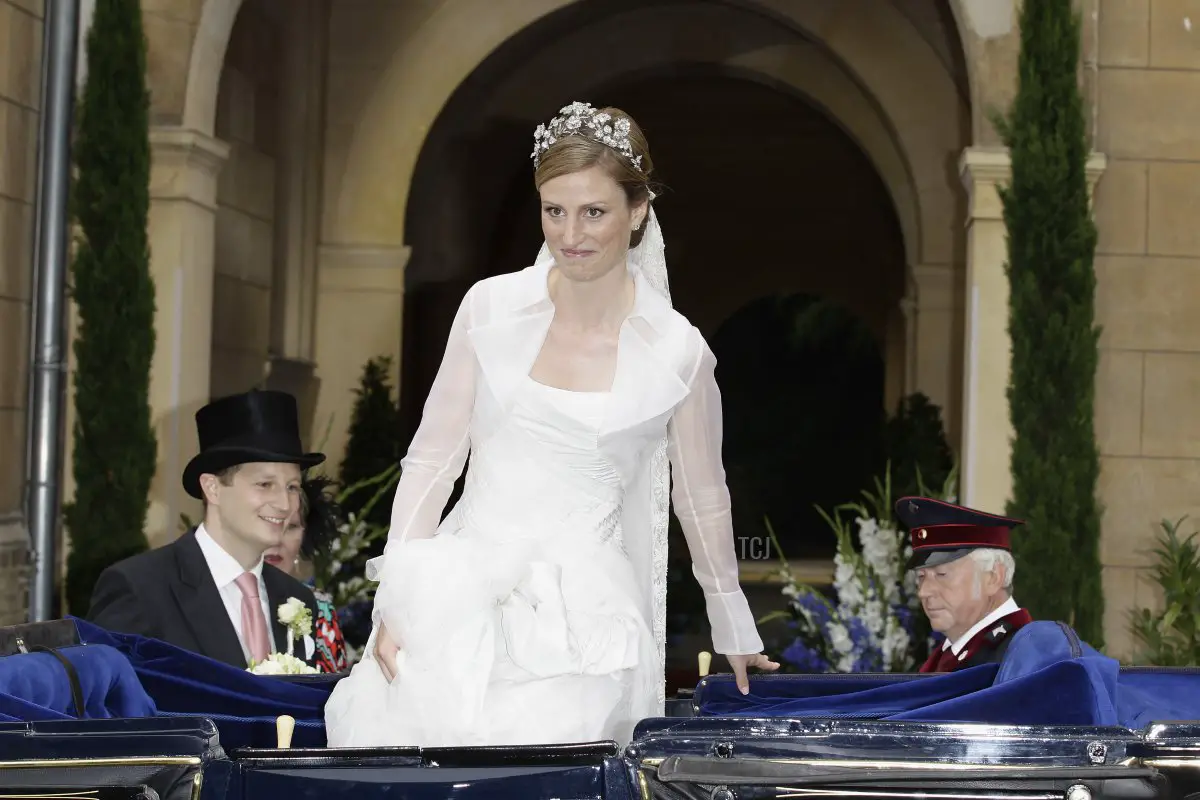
(985, 647)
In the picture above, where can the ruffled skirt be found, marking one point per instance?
(513, 642)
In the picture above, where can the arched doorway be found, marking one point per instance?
(766, 197)
(448, 156)
(414, 161)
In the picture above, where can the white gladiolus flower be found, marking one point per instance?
(839, 637)
(845, 582)
(872, 617)
(873, 590)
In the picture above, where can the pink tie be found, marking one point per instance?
(254, 625)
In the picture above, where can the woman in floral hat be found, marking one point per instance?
(312, 532)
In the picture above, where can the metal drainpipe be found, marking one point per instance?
(48, 317)
(1094, 66)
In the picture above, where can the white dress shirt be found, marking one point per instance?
(1009, 606)
(225, 569)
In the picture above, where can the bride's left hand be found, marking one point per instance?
(740, 664)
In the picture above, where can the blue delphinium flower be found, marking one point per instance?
(805, 658)
(815, 606)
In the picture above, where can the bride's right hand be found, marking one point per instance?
(385, 653)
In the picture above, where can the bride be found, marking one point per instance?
(535, 612)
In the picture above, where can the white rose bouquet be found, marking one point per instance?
(297, 618)
(282, 664)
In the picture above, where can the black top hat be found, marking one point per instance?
(942, 532)
(245, 428)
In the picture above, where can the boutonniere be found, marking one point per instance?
(297, 618)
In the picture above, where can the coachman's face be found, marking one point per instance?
(953, 598)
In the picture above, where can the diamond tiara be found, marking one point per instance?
(580, 119)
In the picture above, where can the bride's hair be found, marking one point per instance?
(626, 159)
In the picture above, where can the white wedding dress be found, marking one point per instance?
(535, 612)
(520, 624)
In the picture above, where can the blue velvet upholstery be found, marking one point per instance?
(1048, 677)
(35, 687)
(1150, 694)
(243, 706)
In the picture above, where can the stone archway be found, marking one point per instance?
(785, 200)
(921, 104)
(913, 123)
(469, 195)
(206, 61)
(452, 205)
(389, 108)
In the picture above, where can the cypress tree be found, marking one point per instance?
(115, 447)
(1051, 244)
(374, 442)
(918, 455)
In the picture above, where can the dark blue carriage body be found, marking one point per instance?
(1054, 720)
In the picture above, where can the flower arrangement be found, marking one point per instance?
(354, 535)
(874, 623)
(298, 619)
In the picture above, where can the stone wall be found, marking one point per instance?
(20, 57)
(245, 224)
(1148, 266)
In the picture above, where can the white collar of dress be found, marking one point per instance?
(649, 304)
(652, 352)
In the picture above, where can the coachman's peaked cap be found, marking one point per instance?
(257, 426)
(942, 532)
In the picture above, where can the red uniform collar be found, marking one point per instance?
(944, 660)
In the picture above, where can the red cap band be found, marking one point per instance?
(944, 537)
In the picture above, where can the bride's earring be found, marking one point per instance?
(637, 226)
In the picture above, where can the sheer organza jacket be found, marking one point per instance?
(664, 388)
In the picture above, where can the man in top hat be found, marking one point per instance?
(965, 569)
(210, 591)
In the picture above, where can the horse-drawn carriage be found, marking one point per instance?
(122, 717)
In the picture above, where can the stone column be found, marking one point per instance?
(360, 315)
(986, 479)
(935, 352)
(298, 204)
(183, 190)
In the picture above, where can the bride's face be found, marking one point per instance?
(587, 221)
